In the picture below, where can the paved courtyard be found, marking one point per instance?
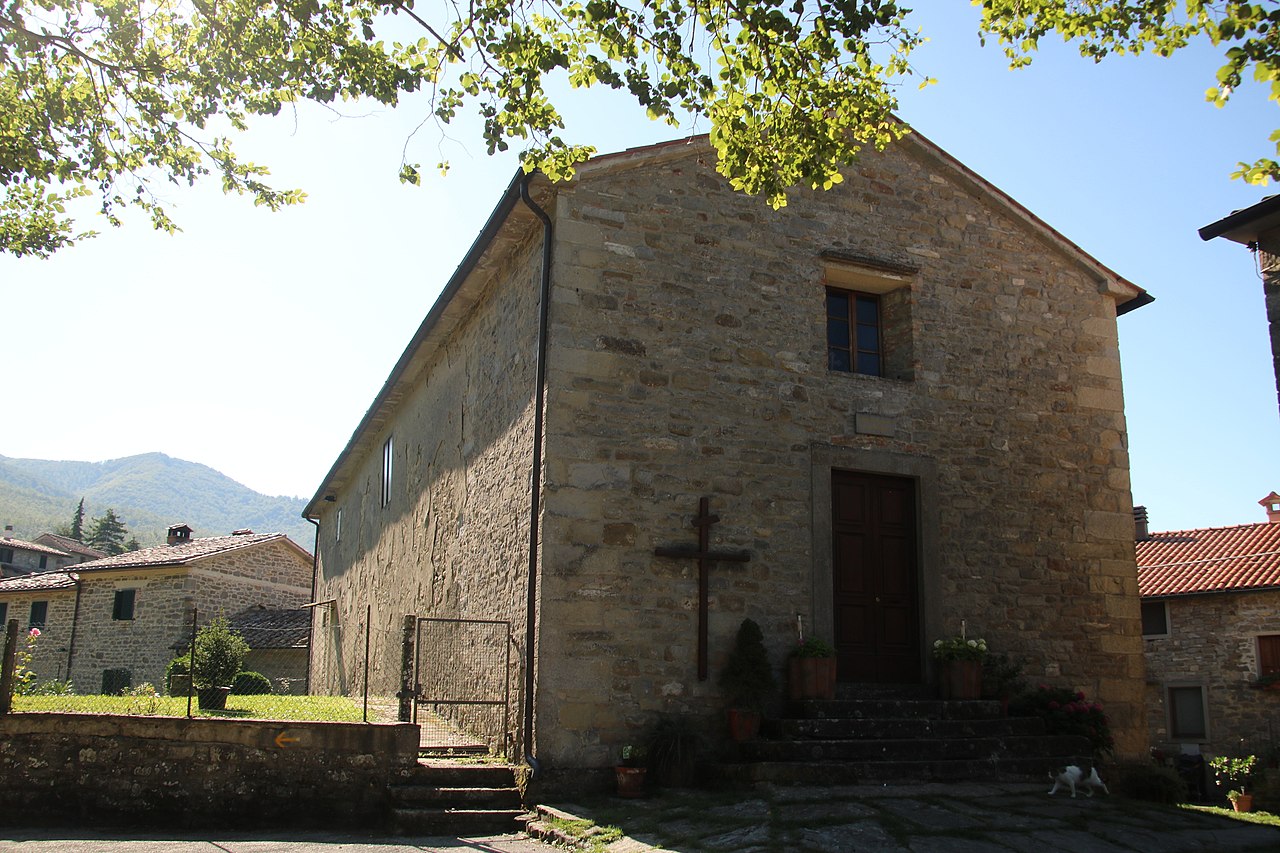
(929, 818)
(972, 818)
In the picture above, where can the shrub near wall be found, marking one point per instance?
(78, 768)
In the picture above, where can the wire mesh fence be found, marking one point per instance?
(453, 677)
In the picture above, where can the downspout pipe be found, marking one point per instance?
(535, 472)
(311, 622)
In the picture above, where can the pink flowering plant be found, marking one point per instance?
(24, 678)
(1066, 712)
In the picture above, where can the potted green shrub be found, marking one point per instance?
(811, 671)
(673, 751)
(748, 682)
(218, 655)
(1237, 772)
(631, 772)
(960, 659)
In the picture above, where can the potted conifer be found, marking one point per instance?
(218, 656)
(748, 682)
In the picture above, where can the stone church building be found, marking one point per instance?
(900, 397)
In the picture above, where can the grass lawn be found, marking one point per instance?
(338, 709)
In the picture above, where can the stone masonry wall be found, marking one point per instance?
(104, 770)
(689, 358)
(49, 653)
(272, 574)
(1213, 644)
(453, 542)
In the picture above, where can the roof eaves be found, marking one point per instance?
(1247, 224)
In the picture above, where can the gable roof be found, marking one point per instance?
(1214, 559)
(273, 629)
(19, 544)
(186, 552)
(38, 582)
(73, 546)
(509, 220)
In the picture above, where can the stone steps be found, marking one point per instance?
(451, 798)
(877, 733)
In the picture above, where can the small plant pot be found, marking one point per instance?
(212, 698)
(811, 678)
(630, 781)
(961, 680)
(1243, 803)
(744, 725)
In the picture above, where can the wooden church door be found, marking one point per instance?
(875, 598)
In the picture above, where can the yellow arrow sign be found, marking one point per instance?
(282, 740)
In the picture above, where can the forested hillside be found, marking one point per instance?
(148, 492)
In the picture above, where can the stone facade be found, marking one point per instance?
(50, 654)
(687, 358)
(1213, 644)
(271, 573)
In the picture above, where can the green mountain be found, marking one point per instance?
(148, 492)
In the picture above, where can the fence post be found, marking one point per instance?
(191, 658)
(368, 619)
(10, 660)
(406, 668)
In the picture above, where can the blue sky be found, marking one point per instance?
(254, 341)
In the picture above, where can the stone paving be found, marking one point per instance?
(924, 818)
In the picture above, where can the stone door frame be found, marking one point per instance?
(924, 472)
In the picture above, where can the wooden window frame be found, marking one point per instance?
(853, 321)
(32, 622)
(1268, 654)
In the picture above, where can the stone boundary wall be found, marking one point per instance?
(162, 771)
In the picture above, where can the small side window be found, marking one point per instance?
(1155, 619)
(122, 607)
(1188, 717)
(388, 455)
(39, 614)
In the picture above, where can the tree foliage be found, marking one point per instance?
(77, 522)
(108, 97)
(107, 533)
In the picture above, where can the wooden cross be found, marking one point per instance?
(704, 555)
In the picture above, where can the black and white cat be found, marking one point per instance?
(1073, 776)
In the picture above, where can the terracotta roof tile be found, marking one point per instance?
(273, 629)
(1215, 559)
(38, 581)
(180, 554)
(73, 546)
(10, 542)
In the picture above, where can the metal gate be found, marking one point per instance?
(462, 682)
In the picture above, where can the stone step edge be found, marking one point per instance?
(542, 829)
(412, 795)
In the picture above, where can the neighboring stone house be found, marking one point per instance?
(1211, 627)
(46, 601)
(19, 558)
(902, 398)
(124, 617)
(278, 643)
(79, 552)
(1258, 227)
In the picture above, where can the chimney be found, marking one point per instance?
(178, 534)
(8, 531)
(1140, 531)
(1271, 503)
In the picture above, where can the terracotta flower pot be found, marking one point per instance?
(744, 725)
(212, 698)
(1243, 803)
(811, 678)
(961, 679)
(630, 781)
